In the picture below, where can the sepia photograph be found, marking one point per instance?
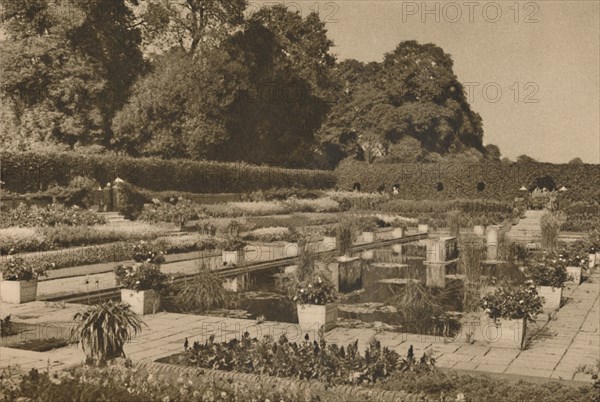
(307, 200)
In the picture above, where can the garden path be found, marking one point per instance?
(568, 341)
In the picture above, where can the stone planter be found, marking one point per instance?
(233, 257)
(18, 291)
(479, 230)
(368, 237)
(592, 260)
(503, 332)
(312, 316)
(141, 302)
(552, 297)
(598, 258)
(423, 228)
(367, 255)
(575, 272)
(329, 243)
(397, 233)
(290, 250)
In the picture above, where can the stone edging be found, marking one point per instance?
(353, 393)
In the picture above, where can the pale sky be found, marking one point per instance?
(553, 59)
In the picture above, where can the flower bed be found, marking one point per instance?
(51, 215)
(304, 360)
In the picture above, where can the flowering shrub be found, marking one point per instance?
(120, 382)
(317, 291)
(177, 210)
(51, 215)
(147, 252)
(572, 258)
(513, 303)
(233, 243)
(304, 360)
(144, 276)
(20, 269)
(549, 272)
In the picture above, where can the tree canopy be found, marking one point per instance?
(203, 79)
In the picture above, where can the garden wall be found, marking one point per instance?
(468, 180)
(32, 172)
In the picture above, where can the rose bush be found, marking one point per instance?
(317, 291)
(513, 303)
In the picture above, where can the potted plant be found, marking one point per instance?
(145, 252)
(142, 284)
(103, 329)
(549, 276)
(509, 310)
(19, 280)
(315, 300)
(233, 251)
(330, 238)
(574, 265)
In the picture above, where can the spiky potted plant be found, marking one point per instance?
(103, 329)
(19, 279)
(316, 303)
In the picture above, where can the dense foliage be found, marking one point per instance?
(500, 181)
(305, 360)
(21, 269)
(522, 302)
(315, 290)
(178, 211)
(31, 171)
(51, 215)
(121, 382)
(144, 276)
(551, 271)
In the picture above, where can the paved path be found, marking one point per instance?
(568, 341)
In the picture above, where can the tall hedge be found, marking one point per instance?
(32, 172)
(489, 180)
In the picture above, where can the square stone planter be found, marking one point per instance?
(423, 228)
(552, 297)
(397, 233)
(18, 291)
(368, 237)
(592, 260)
(141, 302)
(312, 316)
(233, 257)
(290, 250)
(574, 272)
(329, 243)
(503, 333)
(479, 230)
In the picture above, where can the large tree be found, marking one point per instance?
(415, 93)
(66, 68)
(259, 96)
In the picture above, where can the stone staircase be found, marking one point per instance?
(114, 218)
(529, 229)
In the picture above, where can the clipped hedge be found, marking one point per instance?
(31, 172)
(490, 180)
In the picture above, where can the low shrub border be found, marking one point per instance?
(349, 391)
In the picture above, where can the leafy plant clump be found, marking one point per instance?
(305, 360)
(147, 252)
(548, 273)
(49, 216)
(317, 291)
(103, 329)
(233, 243)
(20, 269)
(513, 303)
(203, 293)
(144, 276)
